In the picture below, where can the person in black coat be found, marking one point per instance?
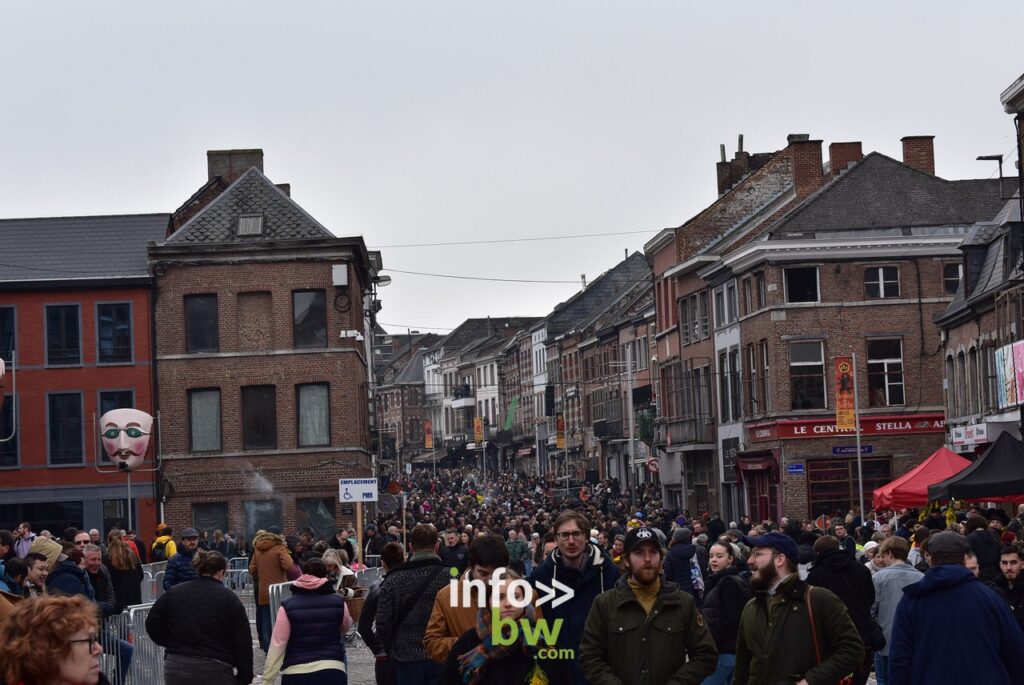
(678, 560)
(726, 592)
(203, 627)
(985, 547)
(837, 570)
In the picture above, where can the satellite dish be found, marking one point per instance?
(387, 504)
(383, 280)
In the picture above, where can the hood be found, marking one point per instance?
(597, 558)
(683, 549)
(162, 538)
(264, 540)
(308, 582)
(48, 547)
(940, 578)
(835, 559)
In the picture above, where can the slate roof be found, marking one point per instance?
(78, 247)
(472, 330)
(880, 192)
(607, 289)
(413, 371)
(252, 193)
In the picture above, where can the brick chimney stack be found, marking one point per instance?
(231, 164)
(919, 153)
(842, 155)
(808, 174)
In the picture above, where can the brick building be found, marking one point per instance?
(400, 400)
(75, 305)
(263, 322)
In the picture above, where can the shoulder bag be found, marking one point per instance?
(845, 680)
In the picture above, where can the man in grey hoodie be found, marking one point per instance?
(889, 583)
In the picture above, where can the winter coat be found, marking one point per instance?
(774, 644)
(316, 617)
(179, 568)
(622, 643)
(127, 586)
(374, 544)
(402, 636)
(104, 589)
(924, 651)
(1014, 597)
(677, 566)
(23, 545)
(518, 551)
(6, 584)
(455, 556)
(70, 579)
(512, 670)
(987, 549)
(598, 575)
(203, 618)
(447, 622)
(169, 549)
(889, 583)
(270, 563)
(725, 595)
(847, 578)
(366, 621)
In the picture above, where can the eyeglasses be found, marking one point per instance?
(81, 543)
(571, 535)
(93, 639)
(131, 432)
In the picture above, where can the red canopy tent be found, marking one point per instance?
(911, 489)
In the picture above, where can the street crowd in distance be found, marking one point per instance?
(643, 593)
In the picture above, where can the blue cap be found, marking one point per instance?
(639, 515)
(777, 541)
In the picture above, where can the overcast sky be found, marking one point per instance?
(416, 122)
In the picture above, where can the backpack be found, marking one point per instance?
(159, 551)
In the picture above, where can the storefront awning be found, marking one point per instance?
(428, 457)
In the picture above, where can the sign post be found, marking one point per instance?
(357, 491)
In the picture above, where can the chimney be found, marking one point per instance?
(842, 155)
(231, 164)
(285, 188)
(807, 172)
(919, 153)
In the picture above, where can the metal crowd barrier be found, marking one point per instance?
(147, 659)
(155, 567)
(278, 593)
(238, 563)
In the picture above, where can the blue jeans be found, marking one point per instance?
(723, 674)
(528, 566)
(418, 672)
(263, 630)
(881, 669)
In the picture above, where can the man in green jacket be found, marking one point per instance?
(646, 631)
(782, 637)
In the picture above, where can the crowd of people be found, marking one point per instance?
(642, 593)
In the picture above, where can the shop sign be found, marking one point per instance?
(911, 424)
(970, 435)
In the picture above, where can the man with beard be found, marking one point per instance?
(653, 652)
(454, 552)
(790, 632)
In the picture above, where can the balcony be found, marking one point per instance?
(687, 431)
(608, 430)
(463, 397)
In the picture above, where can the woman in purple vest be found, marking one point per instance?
(308, 643)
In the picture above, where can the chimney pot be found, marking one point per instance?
(231, 164)
(919, 153)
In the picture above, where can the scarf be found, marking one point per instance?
(473, 663)
(647, 595)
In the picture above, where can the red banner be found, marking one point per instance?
(845, 418)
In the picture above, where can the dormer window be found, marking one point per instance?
(250, 224)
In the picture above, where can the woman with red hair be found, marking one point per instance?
(52, 640)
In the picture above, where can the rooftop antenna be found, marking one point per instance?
(740, 144)
(583, 277)
(999, 160)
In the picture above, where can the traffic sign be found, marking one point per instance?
(357, 490)
(652, 465)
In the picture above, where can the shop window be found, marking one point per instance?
(885, 373)
(881, 282)
(806, 375)
(832, 485)
(115, 514)
(801, 284)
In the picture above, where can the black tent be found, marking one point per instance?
(997, 474)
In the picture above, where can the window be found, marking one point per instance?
(115, 513)
(7, 333)
(204, 420)
(974, 390)
(801, 284)
(881, 281)
(201, 322)
(734, 384)
(250, 224)
(63, 335)
(110, 400)
(114, 331)
(65, 428)
(685, 322)
(885, 373)
(313, 414)
(731, 305)
(762, 296)
(766, 398)
(210, 516)
(317, 514)
(989, 367)
(705, 318)
(950, 390)
(259, 417)
(309, 325)
(832, 485)
(952, 274)
(748, 296)
(752, 387)
(806, 375)
(723, 387)
(9, 449)
(720, 313)
(261, 515)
